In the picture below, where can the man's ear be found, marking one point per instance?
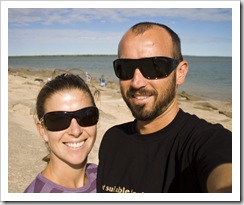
(181, 72)
(41, 130)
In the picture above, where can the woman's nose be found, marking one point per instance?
(75, 129)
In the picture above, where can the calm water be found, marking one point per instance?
(208, 77)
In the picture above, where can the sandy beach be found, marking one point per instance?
(26, 148)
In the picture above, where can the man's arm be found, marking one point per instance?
(220, 179)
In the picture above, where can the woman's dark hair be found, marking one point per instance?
(64, 81)
(144, 26)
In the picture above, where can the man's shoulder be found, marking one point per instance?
(195, 130)
(198, 122)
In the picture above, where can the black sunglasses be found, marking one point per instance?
(60, 120)
(151, 68)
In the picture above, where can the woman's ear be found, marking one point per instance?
(41, 130)
(181, 72)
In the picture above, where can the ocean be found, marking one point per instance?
(208, 77)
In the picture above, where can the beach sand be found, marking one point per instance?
(26, 148)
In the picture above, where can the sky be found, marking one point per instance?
(71, 31)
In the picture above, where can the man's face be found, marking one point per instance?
(147, 99)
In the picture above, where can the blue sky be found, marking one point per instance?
(60, 31)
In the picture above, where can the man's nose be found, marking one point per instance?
(138, 79)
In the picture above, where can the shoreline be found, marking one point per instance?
(45, 73)
(26, 148)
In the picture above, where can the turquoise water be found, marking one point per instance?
(208, 77)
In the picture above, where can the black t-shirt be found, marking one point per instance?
(176, 159)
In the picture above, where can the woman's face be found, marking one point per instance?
(71, 145)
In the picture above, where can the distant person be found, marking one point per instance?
(88, 77)
(164, 149)
(67, 118)
(103, 82)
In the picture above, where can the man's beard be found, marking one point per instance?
(161, 104)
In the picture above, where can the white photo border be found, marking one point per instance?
(234, 196)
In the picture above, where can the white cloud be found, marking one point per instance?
(55, 41)
(24, 17)
(56, 35)
(193, 14)
(89, 29)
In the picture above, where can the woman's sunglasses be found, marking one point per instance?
(60, 120)
(151, 68)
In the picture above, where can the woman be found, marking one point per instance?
(67, 118)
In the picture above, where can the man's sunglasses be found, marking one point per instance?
(60, 120)
(151, 68)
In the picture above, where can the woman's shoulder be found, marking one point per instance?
(91, 168)
(35, 184)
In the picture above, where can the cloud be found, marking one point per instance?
(192, 14)
(36, 36)
(89, 30)
(25, 17)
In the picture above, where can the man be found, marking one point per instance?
(164, 149)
